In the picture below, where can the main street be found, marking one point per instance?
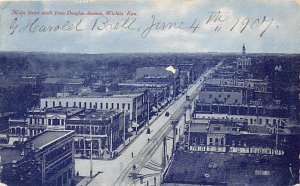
(117, 171)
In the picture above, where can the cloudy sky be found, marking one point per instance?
(271, 26)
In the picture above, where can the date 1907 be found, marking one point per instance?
(220, 19)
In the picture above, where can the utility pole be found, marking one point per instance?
(174, 87)
(156, 103)
(91, 154)
(164, 153)
(124, 128)
(174, 122)
(189, 134)
(136, 116)
(148, 108)
(111, 142)
(277, 135)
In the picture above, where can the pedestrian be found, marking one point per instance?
(132, 154)
(148, 140)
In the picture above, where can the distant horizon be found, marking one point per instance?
(236, 53)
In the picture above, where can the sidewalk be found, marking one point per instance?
(131, 139)
(128, 141)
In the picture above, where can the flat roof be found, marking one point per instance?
(47, 137)
(9, 154)
(98, 95)
(228, 169)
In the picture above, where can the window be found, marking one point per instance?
(123, 105)
(222, 141)
(46, 103)
(79, 104)
(90, 105)
(67, 104)
(251, 121)
(210, 141)
(267, 121)
(96, 105)
(260, 120)
(59, 103)
(128, 106)
(118, 106)
(49, 121)
(53, 103)
(30, 120)
(217, 141)
(210, 96)
(84, 104)
(62, 122)
(101, 105)
(112, 105)
(43, 121)
(55, 121)
(106, 105)
(74, 104)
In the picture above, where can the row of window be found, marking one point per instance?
(56, 122)
(22, 131)
(91, 105)
(86, 130)
(251, 120)
(36, 121)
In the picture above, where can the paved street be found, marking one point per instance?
(116, 172)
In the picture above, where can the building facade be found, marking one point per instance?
(134, 104)
(45, 159)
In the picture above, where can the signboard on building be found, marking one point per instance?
(215, 149)
(239, 150)
(198, 148)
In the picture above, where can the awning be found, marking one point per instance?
(134, 124)
(164, 103)
(154, 109)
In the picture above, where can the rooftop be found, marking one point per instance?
(9, 154)
(98, 114)
(63, 81)
(100, 95)
(47, 137)
(228, 169)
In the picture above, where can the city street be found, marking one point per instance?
(139, 152)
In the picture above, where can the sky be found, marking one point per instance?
(188, 26)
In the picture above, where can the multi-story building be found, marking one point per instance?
(158, 94)
(221, 94)
(45, 159)
(52, 86)
(109, 128)
(252, 114)
(159, 75)
(135, 104)
(17, 125)
(234, 136)
(187, 74)
(106, 129)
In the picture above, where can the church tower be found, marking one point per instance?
(244, 49)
